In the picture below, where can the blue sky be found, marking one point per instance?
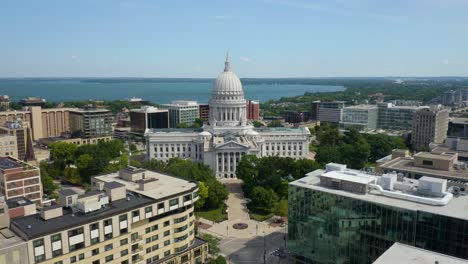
(266, 38)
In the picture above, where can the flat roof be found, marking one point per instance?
(167, 186)
(407, 164)
(18, 202)
(405, 254)
(34, 226)
(362, 106)
(457, 207)
(429, 155)
(67, 192)
(8, 239)
(458, 120)
(9, 163)
(344, 176)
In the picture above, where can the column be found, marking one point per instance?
(222, 161)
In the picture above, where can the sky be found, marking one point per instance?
(265, 38)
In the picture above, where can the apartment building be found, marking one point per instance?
(23, 137)
(181, 111)
(132, 216)
(253, 110)
(88, 123)
(44, 123)
(19, 179)
(430, 125)
(8, 146)
(204, 111)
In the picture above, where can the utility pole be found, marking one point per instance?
(264, 248)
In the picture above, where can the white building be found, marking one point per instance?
(182, 111)
(228, 136)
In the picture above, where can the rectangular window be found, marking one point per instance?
(123, 217)
(148, 240)
(95, 252)
(148, 250)
(73, 259)
(81, 256)
(166, 233)
(166, 223)
(167, 253)
(124, 252)
(108, 247)
(148, 209)
(135, 213)
(155, 227)
(147, 230)
(109, 258)
(187, 198)
(167, 242)
(155, 247)
(154, 238)
(173, 202)
(134, 236)
(124, 241)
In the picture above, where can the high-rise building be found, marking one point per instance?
(338, 215)
(315, 110)
(23, 136)
(4, 102)
(19, 179)
(88, 123)
(360, 117)
(253, 110)
(204, 110)
(44, 123)
(395, 117)
(8, 146)
(430, 125)
(132, 216)
(181, 111)
(148, 117)
(330, 112)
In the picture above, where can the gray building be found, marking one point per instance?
(360, 117)
(430, 125)
(181, 111)
(88, 123)
(148, 117)
(393, 117)
(330, 111)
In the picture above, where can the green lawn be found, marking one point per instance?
(215, 215)
(259, 214)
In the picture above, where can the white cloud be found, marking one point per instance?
(246, 59)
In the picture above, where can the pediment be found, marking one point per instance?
(232, 145)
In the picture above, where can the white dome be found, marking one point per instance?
(227, 83)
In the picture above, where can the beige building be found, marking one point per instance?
(22, 134)
(13, 249)
(437, 165)
(133, 216)
(19, 179)
(430, 125)
(44, 123)
(8, 146)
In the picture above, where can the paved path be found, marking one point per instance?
(238, 213)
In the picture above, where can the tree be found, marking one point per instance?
(203, 192)
(133, 147)
(123, 163)
(275, 123)
(62, 151)
(382, 145)
(213, 244)
(281, 208)
(72, 175)
(263, 198)
(257, 123)
(48, 185)
(182, 125)
(218, 260)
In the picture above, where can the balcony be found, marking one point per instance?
(138, 249)
(137, 239)
(138, 260)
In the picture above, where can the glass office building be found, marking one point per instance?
(326, 225)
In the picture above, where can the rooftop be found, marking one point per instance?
(404, 254)
(457, 207)
(167, 185)
(18, 202)
(429, 155)
(34, 226)
(458, 120)
(9, 239)
(362, 106)
(407, 164)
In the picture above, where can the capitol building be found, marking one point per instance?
(228, 135)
